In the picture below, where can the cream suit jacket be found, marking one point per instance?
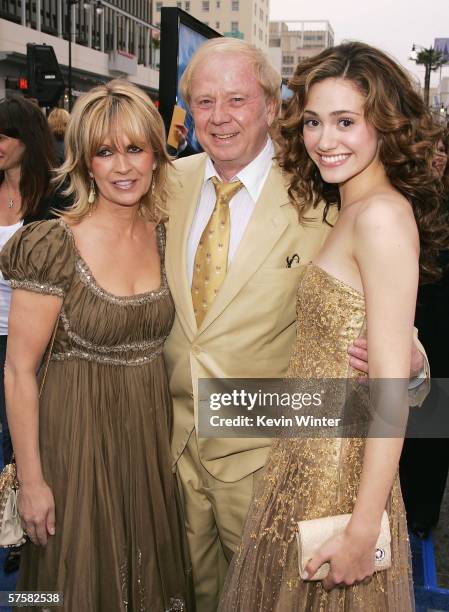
(249, 330)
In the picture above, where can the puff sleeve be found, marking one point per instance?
(39, 257)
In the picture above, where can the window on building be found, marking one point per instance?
(179, 5)
(255, 10)
(205, 5)
(288, 59)
(234, 26)
(287, 70)
(255, 31)
(187, 5)
(158, 7)
(317, 37)
(261, 14)
(217, 25)
(260, 34)
(235, 5)
(218, 4)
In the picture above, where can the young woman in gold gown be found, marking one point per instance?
(357, 135)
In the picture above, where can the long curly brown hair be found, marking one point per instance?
(445, 178)
(407, 136)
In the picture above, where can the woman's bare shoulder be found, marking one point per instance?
(386, 212)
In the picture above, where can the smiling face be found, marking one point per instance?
(122, 171)
(11, 152)
(230, 110)
(336, 134)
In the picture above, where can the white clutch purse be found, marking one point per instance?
(11, 532)
(312, 534)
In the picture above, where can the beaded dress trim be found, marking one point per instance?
(36, 287)
(88, 278)
(142, 352)
(118, 348)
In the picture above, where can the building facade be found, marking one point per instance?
(292, 41)
(245, 19)
(108, 39)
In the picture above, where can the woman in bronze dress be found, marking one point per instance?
(357, 135)
(97, 493)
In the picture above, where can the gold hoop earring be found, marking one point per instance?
(92, 192)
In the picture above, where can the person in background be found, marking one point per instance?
(184, 149)
(425, 462)
(27, 157)
(58, 120)
(27, 160)
(97, 493)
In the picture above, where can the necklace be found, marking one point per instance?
(11, 202)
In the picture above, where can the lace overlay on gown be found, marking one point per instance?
(313, 478)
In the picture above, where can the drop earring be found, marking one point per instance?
(92, 192)
(153, 181)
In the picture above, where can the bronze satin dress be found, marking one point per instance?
(104, 425)
(312, 478)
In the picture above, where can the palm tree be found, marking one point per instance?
(432, 60)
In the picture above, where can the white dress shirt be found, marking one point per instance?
(242, 205)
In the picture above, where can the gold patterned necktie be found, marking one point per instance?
(211, 259)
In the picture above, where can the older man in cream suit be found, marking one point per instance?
(244, 325)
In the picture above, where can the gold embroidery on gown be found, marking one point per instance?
(312, 478)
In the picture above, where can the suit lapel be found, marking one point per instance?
(188, 187)
(267, 224)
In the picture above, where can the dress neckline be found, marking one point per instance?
(336, 280)
(134, 298)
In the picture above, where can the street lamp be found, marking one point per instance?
(431, 59)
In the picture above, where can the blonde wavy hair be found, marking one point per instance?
(112, 110)
(57, 121)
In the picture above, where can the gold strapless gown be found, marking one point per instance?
(313, 478)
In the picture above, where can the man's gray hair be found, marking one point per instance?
(268, 77)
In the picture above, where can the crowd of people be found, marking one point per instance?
(129, 276)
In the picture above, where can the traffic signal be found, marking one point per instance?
(45, 82)
(17, 84)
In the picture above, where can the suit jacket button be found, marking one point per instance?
(196, 350)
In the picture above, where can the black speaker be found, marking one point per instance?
(45, 82)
